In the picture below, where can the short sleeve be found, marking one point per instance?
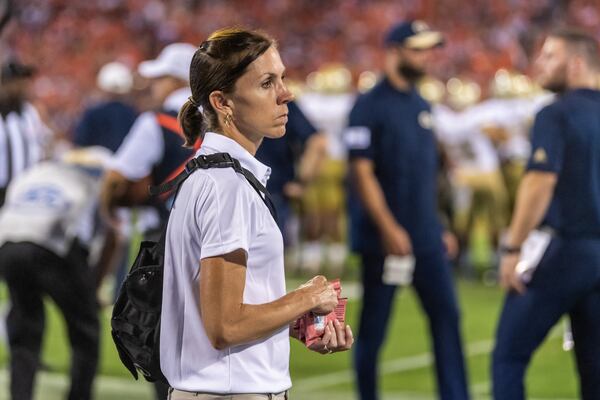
(547, 141)
(141, 150)
(298, 125)
(358, 134)
(225, 217)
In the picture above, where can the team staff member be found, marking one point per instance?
(152, 150)
(394, 164)
(563, 175)
(225, 312)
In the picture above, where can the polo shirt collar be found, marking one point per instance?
(218, 143)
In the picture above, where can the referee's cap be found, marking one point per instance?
(115, 77)
(174, 60)
(415, 35)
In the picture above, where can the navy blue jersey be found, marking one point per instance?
(566, 141)
(282, 154)
(393, 129)
(105, 124)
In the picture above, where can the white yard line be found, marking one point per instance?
(402, 364)
(388, 367)
(105, 386)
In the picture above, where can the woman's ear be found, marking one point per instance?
(220, 103)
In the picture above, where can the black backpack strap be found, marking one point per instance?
(217, 160)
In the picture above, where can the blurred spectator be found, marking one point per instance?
(22, 132)
(106, 124)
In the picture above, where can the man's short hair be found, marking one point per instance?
(581, 43)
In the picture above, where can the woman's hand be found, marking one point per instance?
(336, 338)
(322, 294)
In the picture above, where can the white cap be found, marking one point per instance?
(174, 60)
(115, 77)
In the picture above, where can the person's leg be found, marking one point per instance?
(161, 390)
(585, 322)
(526, 320)
(584, 271)
(70, 283)
(432, 281)
(376, 308)
(25, 322)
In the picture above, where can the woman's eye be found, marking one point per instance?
(267, 84)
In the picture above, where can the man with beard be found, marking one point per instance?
(393, 209)
(560, 190)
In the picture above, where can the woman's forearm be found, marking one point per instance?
(255, 321)
(228, 321)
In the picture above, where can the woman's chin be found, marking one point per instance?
(276, 132)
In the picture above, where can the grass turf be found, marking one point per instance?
(406, 369)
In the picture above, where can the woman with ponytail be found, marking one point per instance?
(225, 312)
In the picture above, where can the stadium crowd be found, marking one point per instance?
(71, 40)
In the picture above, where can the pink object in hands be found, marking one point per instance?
(311, 327)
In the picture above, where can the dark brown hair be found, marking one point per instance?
(217, 65)
(581, 43)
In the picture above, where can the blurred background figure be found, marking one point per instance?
(558, 200)
(395, 228)
(107, 122)
(48, 227)
(152, 152)
(5, 12)
(294, 159)
(23, 135)
(327, 103)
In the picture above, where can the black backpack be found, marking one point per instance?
(135, 318)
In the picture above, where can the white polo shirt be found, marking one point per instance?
(216, 212)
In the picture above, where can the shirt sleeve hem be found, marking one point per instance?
(542, 168)
(219, 249)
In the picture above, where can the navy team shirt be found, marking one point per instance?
(105, 124)
(393, 129)
(281, 154)
(566, 141)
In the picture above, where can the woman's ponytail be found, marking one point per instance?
(191, 121)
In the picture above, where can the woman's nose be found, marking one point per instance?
(286, 96)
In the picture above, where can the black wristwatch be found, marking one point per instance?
(504, 249)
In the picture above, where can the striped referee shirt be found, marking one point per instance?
(22, 139)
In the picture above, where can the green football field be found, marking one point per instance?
(406, 365)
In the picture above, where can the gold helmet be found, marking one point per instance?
(462, 93)
(510, 84)
(366, 80)
(297, 87)
(330, 78)
(431, 89)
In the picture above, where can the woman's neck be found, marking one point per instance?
(249, 144)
